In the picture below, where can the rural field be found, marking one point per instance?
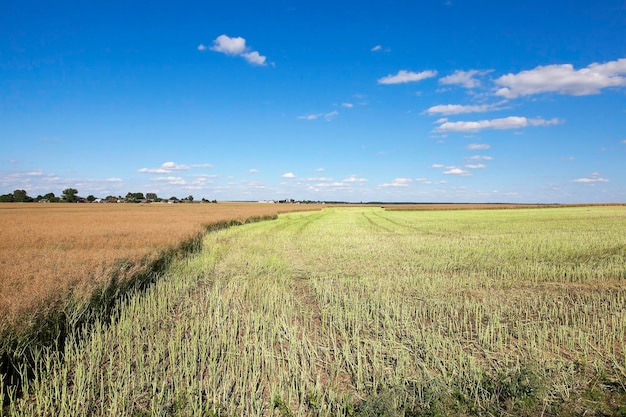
(361, 312)
(48, 249)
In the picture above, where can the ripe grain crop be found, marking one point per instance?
(47, 250)
(365, 312)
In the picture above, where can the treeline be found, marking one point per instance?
(70, 195)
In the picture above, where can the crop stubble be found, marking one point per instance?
(365, 312)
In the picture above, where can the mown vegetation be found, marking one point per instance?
(363, 312)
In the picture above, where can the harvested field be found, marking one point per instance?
(48, 249)
(362, 312)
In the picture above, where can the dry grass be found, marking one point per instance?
(50, 249)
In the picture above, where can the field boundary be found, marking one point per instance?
(47, 329)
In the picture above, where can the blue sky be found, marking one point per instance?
(425, 101)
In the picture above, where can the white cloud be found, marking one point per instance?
(376, 48)
(406, 76)
(235, 47)
(475, 166)
(171, 180)
(168, 167)
(464, 78)
(228, 45)
(437, 166)
(253, 171)
(329, 116)
(310, 116)
(564, 79)
(354, 178)
(449, 109)
(288, 175)
(477, 146)
(480, 158)
(591, 179)
(314, 116)
(511, 122)
(457, 171)
(36, 173)
(320, 169)
(398, 182)
(347, 105)
(165, 168)
(254, 58)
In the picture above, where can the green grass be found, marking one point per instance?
(364, 312)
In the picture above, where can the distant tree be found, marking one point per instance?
(70, 195)
(134, 197)
(190, 199)
(173, 198)
(6, 198)
(20, 196)
(151, 196)
(91, 198)
(51, 198)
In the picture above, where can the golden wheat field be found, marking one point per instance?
(49, 249)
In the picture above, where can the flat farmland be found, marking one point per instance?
(365, 312)
(48, 249)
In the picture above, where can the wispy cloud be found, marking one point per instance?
(511, 122)
(480, 158)
(235, 46)
(466, 79)
(288, 175)
(354, 178)
(347, 105)
(450, 109)
(563, 79)
(314, 116)
(168, 167)
(592, 179)
(165, 168)
(478, 146)
(170, 180)
(376, 48)
(398, 182)
(404, 76)
(452, 170)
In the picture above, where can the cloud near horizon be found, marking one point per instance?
(397, 182)
(168, 167)
(404, 76)
(591, 179)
